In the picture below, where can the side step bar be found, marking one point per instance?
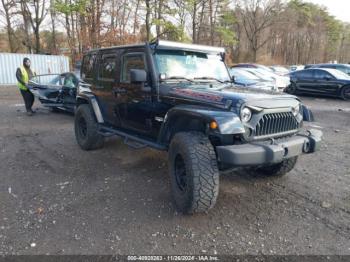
(137, 142)
(52, 104)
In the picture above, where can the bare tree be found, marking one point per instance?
(148, 19)
(53, 24)
(257, 16)
(8, 6)
(39, 9)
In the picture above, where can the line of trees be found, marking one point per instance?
(267, 31)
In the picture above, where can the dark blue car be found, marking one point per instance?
(320, 81)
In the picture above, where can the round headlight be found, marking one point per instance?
(246, 114)
(296, 110)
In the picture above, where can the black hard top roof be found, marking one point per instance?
(162, 44)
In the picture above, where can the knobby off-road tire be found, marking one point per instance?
(194, 172)
(279, 169)
(345, 93)
(86, 129)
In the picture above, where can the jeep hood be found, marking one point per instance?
(234, 96)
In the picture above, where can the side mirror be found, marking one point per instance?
(233, 79)
(327, 78)
(138, 76)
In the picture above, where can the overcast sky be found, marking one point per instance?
(338, 8)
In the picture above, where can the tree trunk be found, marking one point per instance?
(194, 27)
(148, 17)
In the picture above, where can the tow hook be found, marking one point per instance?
(306, 146)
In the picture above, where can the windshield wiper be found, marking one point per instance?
(177, 78)
(210, 78)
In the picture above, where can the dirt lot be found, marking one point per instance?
(57, 199)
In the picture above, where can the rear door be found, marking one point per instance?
(304, 80)
(105, 82)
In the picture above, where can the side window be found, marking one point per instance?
(88, 66)
(305, 74)
(131, 61)
(108, 67)
(321, 75)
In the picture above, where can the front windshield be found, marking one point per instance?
(338, 74)
(49, 79)
(190, 65)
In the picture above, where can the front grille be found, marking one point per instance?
(275, 123)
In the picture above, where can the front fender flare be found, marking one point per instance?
(92, 101)
(307, 114)
(228, 122)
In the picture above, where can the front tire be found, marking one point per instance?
(279, 169)
(345, 93)
(86, 129)
(194, 172)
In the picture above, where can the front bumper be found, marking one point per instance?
(258, 153)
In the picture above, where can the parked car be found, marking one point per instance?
(56, 91)
(256, 66)
(280, 70)
(320, 81)
(281, 81)
(244, 78)
(296, 67)
(341, 67)
(180, 98)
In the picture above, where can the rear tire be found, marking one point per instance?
(345, 93)
(291, 89)
(194, 172)
(86, 129)
(279, 169)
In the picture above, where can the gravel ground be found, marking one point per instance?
(57, 199)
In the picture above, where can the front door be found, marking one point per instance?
(134, 100)
(325, 82)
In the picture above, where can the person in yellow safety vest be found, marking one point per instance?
(23, 75)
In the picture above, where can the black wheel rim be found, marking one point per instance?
(82, 127)
(346, 93)
(180, 173)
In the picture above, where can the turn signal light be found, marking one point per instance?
(213, 125)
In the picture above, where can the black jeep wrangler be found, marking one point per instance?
(180, 98)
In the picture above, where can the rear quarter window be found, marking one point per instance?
(87, 72)
(107, 67)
